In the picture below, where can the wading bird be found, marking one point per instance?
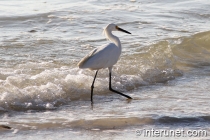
(104, 56)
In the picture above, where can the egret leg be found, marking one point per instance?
(93, 87)
(110, 88)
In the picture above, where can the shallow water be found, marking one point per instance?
(164, 66)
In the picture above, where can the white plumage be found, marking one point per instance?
(104, 56)
(101, 57)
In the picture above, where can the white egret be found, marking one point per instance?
(104, 56)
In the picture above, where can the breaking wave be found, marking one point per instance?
(47, 85)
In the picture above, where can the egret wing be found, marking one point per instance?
(84, 60)
(102, 57)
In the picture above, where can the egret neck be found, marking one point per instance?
(113, 39)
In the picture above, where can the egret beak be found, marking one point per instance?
(122, 30)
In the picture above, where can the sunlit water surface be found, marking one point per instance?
(164, 66)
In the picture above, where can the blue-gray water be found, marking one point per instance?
(164, 66)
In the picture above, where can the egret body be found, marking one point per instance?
(104, 56)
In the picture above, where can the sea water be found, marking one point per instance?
(164, 67)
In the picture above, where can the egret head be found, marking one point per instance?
(112, 27)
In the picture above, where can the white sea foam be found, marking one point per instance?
(45, 85)
(164, 67)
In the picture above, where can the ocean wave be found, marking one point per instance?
(47, 85)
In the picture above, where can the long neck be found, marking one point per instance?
(114, 39)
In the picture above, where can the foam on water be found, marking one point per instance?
(164, 67)
(45, 85)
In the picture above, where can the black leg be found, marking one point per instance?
(110, 88)
(93, 87)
